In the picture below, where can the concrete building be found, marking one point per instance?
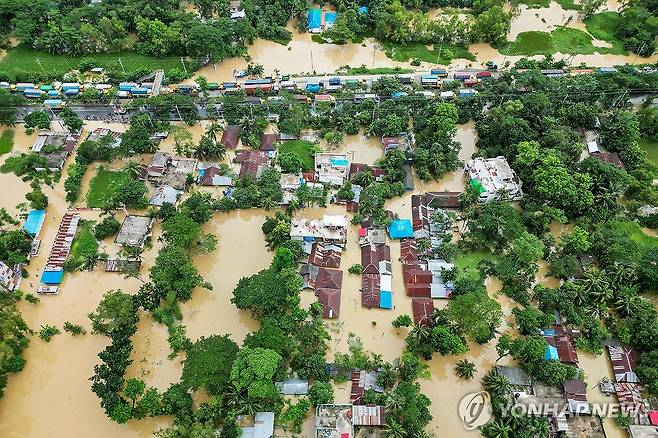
(134, 230)
(332, 168)
(164, 194)
(494, 179)
(329, 229)
(99, 133)
(263, 426)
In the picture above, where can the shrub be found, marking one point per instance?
(48, 331)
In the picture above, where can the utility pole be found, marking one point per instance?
(312, 64)
(121, 64)
(39, 62)
(179, 114)
(184, 68)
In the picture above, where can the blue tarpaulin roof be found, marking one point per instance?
(34, 221)
(52, 277)
(400, 229)
(363, 9)
(314, 19)
(551, 353)
(329, 18)
(385, 299)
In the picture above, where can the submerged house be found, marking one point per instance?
(9, 278)
(99, 133)
(165, 194)
(624, 362)
(212, 175)
(263, 426)
(54, 148)
(331, 168)
(268, 144)
(376, 277)
(326, 256)
(329, 229)
(328, 284)
(422, 309)
(494, 179)
(231, 137)
(560, 345)
(134, 230)
(252, 162)
(361, 382)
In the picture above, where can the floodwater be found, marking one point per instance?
(359, 148)
(309, 57)
(542, 19)
(56, 374)
(14, 189)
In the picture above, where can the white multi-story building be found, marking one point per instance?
(494, 178)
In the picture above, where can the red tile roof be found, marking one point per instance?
(422, 310)
(359, 167)
(371, 256)
(208, 174)
(329, 279)
(267, 142)
(408, 251)
(330, 300)
(324, 257)
(231, 137)
(370, 290)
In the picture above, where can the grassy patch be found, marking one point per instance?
(602, 27)
(633, 230)
(439, 54)
(6, 141)
(84, 244)
(562, 39)
(24, 59)
(568, 4)
(650, 146)
(103, 186)
(303, 149)
(468, 261)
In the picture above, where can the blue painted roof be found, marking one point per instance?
(400, 229)
(52, 277)
(314, 18)
(34, 221)
(329, 17)
(363, 10)
(551, 353)
(385, 299)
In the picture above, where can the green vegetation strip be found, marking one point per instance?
(25, 60)
(602, 27)
(468, 262)
(650, 146)
(103, 186)
(562, 39)
(440, 54)
(84, 246)
(303, 149)
(6, 141)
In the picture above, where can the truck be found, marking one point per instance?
(405, 79)
(4, 85)
(439, 72)
(127, 86)
(123, 94)
(462, 75)
(358, 98)
(426, 93)
(32, 93)
(484, 75)
(606, 70)
(188, 89)
(467, 92)
(398, 94)
(429, 80)
(325, 98)
(71, 92)
(334, 81)
(70, 85)
(333, 88)
(53, 93)
(313, 87)
(22, 86)
(53, 104)
(139, 91)
(302, 98)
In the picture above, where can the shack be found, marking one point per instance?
(263, 426)
(231, 137)
(164, 194)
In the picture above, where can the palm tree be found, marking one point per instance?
(495, 384)
(465, 369)
(496, 429)
(423, 245)
(393, 429)
(267, 203)
(421, 333)
(394, 402)
(133, 168)
(213, 131)
(625, 300)
(596, 285)
(365, 177)
(89, 261)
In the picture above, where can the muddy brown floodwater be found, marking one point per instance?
(51, 397)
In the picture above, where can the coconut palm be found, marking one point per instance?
(465, 369)
(625, 300)
(421, 333)
(393, 429)
(394, 402)
(133, 168)
(89, 261)
(423, 245)
(496, 429)
(365, 178)
(213, 131)
(267, 203)
(495, 384)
